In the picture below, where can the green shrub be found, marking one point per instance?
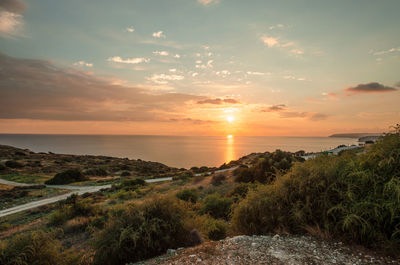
(101, 172)
(13, 164)
(133, 184)
(217, 229)
(267, 168)
(73, 207)
(66, 177)
(354, 197)
(217, 206)
(125, 174)
(139, 232)
(217, 179)
(36, 248)
(240, 191)
(189, 195)
(184, 176)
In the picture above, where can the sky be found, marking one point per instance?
(199, 67)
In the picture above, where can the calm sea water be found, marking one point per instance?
(177, 151)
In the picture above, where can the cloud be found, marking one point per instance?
(11, 19)
(173, 70)
(270, 41)
(392, 50)
(297, 51)
(190, 120)
(117, 59)
(255, 73)
(39, 90)
(318, 116)
(83, 63)
(161, 53)
(14, 6)
(207, 2)
(285, 112)
(372, 87)
(223, 73)
(177, 56)
(209, 64)
(163, 79)
(159, 34)
(272, 108)
(10, 24)
(130, 29)
(218, 101)
(276, 26)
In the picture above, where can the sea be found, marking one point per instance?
(174, 151)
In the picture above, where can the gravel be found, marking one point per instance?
(271, 250)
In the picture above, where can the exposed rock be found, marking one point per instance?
(274, 250)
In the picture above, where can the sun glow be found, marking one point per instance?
(230, 119)
(229, 136)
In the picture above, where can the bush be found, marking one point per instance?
(133, 184)
(125, 174)
(140, 232)
(2, 167)
(184, 176)
(353, 197)
(217, 229)
(189, 195)
(72, 207)
(217, 179)
(240, 191)
(100, 172)
(37, 248)
(267, 168)
(13, 164)
(66, 177)
(217, 206)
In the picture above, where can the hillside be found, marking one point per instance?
(207, 215)
(354, 135)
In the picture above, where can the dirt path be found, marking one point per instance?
(74, 190)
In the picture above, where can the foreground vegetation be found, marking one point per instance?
(353, 197)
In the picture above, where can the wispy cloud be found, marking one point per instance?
(161, 53)
(270, 41)
(285, 112)
(11, 19)
(277, 26)
(71, 95)
(276, 42)
(117, 59)
(223, 73)
(159, 34)
(83, 63)
(279, 107)
(392, 50)
(255, 73)
(13, 6)
(207, 2)
(163, 79)
(209, 64)
(130, 29)
(219, 101)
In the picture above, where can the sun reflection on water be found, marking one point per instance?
(230, 149)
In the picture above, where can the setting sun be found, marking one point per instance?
(230, 119)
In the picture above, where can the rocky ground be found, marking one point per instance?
(272, 250)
